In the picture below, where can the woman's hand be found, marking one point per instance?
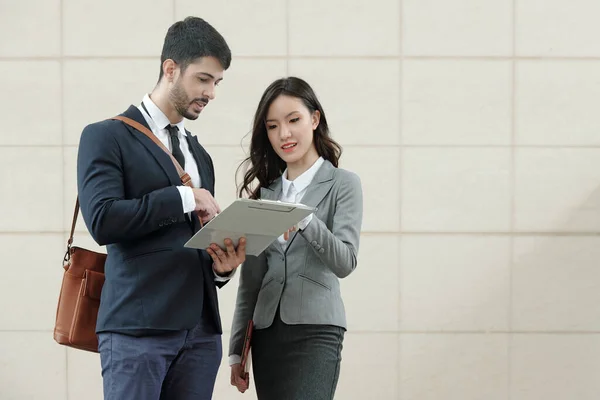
(239, 378)
(286, 235)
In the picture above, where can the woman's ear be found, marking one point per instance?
(316, 117)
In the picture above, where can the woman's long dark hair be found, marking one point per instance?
(263, 164)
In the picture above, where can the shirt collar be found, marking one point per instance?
(159, 118)
(304, 179)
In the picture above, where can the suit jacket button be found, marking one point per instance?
(314, 243)
(321, 250)
(280, 280)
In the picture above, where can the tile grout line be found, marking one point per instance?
(513, 204)
(287, 37)
(321, 57)
(400, 182)
(64, 179)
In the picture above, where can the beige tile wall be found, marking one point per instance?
(472, 123)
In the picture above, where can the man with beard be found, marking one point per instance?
(159, 328)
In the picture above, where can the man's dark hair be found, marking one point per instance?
(191, 39)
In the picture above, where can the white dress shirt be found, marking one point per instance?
(158, 121)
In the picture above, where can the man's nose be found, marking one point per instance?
(209, 92)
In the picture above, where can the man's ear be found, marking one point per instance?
(169, 68)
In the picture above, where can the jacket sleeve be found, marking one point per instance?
(338, 248)
(110, 217)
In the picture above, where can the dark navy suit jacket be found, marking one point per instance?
(129, 202)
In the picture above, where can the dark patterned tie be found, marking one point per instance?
(176, 149)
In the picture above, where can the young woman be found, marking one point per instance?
(292, 291)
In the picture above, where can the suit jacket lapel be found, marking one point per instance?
(161, 157)
(202, 164)
(273, 192)
(315, 193)
(320, 185)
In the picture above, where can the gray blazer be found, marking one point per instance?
(304, 277)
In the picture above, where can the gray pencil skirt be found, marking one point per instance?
(296, 362)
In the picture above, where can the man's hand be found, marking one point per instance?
(225, 262)
(239, 378)
(206, 205)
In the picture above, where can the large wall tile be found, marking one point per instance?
(557, 28)
(454, 283)
(30, 109)
(371, 292)
(555, 367)
(38, 31)
(556, 103)
(369, 368)
(33, 366)
(453, 367)
(379, 171)
(557, 190)
(30, 280)
(456, 190)
(555, 284)
(95, 90)
(457, 28)
(359, 110)
(251, 28)
(456, 103)
(31, 181)
(115, 28)
(84, 375)
(347, 28)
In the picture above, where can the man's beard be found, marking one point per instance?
(181, 101)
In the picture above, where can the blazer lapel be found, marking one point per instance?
(273, 192)
(161, 157)
(315, 193)
(320, 185)
(201, 162)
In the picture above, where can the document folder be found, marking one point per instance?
(260, 221)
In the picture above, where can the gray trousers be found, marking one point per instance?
(296, 362)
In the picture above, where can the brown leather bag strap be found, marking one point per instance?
(67, 256)
(75, 214)
(185, 178)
